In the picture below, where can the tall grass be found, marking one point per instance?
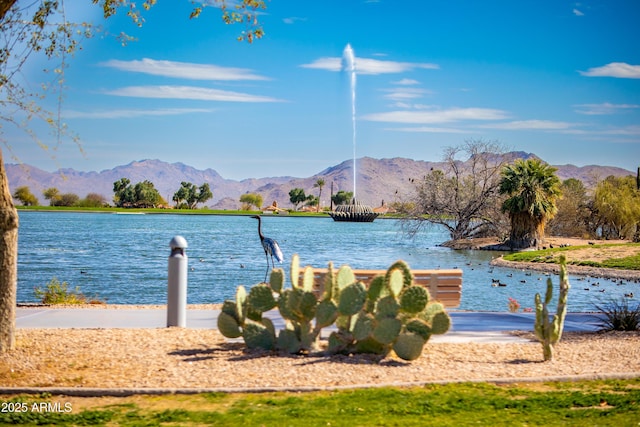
(619, 315)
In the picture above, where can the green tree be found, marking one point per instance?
(141, 195)
(312, 200)
(617, 207)
(319, 184)
(189, 195)
(92, 200)
(25, 196)
(249, 200)
(532, 189)
(146, 195)
(32, 31)
(297, 196)
(573, 214)
(342, 197)
(52, 195)
(123, 193)
(68, 199)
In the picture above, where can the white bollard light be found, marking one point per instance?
(177, 283)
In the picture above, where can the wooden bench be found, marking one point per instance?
(444, 286)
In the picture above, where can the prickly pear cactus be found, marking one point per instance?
(549, 331)
(392, 314)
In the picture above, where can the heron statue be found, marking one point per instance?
(270, 246)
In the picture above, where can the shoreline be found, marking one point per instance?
(601, 272)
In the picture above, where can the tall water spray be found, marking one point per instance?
(349, 65)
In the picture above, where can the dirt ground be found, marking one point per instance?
(88, 361)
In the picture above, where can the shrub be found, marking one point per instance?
(59, 293)
(619, 316)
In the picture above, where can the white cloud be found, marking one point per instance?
(405, 93)
(131, 114)
(428, 129)
(437, 116)
(368, 65)
(603, 109)
(614, 69)
(577, 12)
(530, 125)
(188, 92)
(626, 131)
(406, 82)
(184, 70)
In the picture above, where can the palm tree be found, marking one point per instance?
(532, 188)
(319, 183)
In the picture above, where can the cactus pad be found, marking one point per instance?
(228, 326)
(363, 327)
(308, 279)
(387, 307)
(276, 280)
(241, 297)
(352, 299)
(394, 281)
(261, 298)
(387, 330)
(345, 277)
(326, 314)
(409, 346)
(413, 299)
(288, 341)
(258, 336)
(295, 270)
(440, 323)
(419, 327)
(231, 309)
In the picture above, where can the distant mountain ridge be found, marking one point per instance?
(378, 180)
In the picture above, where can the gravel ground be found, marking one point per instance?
(174, 358)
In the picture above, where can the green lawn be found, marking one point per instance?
(552, 256)
(602, 403)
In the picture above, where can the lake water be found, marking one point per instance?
(123, 258)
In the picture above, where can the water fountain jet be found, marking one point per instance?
(355, 211)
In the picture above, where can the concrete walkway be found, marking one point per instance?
(476, 327)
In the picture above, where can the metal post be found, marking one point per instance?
(177, 283)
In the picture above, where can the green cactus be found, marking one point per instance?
(260, 298)
(409, 346)
(419, 327)
(228, 325)
(413, 299)
(326, 314)
(295, 270)
(276, 280)
(547, 331)
(259, 336)
(387, 330)
(363, 327)
(352, 299)
(393, 314)
(394, 281)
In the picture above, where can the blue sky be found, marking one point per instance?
(557, 78)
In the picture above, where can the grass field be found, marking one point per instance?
(625, 256)
(602, 403)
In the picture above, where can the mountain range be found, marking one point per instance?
(378, 180)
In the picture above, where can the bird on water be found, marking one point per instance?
(270, 246)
